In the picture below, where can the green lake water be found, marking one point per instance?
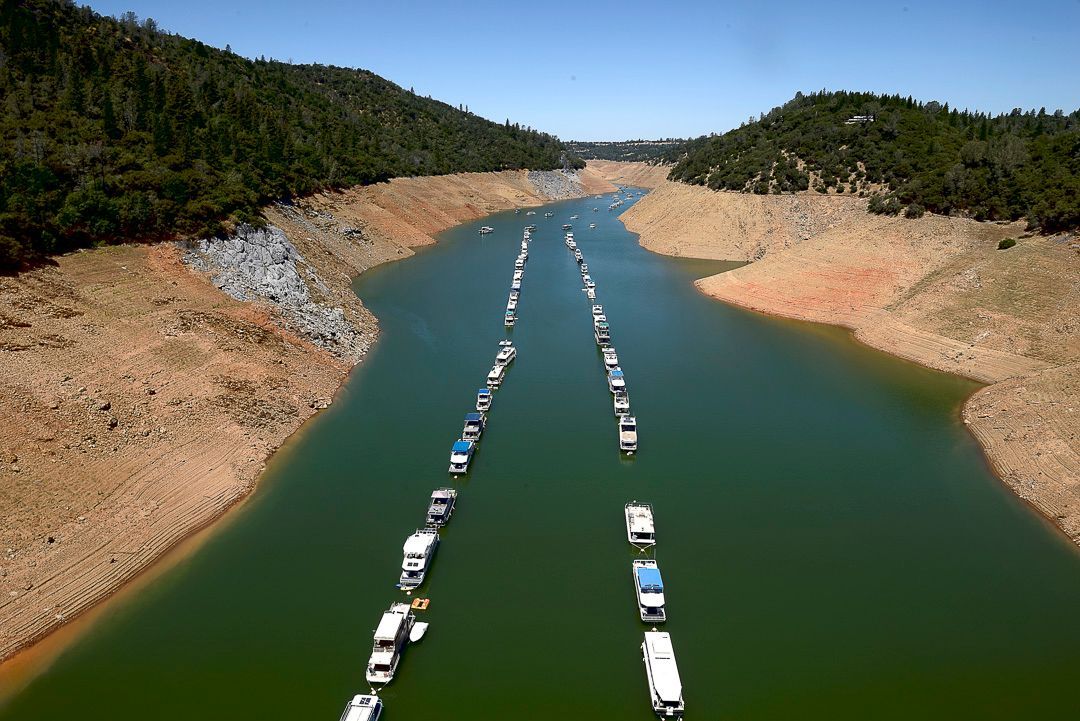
(832, 541)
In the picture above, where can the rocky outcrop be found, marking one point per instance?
(262, 265)
(557, 184)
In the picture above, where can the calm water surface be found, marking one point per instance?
(833, 544)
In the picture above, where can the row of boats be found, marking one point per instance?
(657, 651)
(399, 626)
(616, 378)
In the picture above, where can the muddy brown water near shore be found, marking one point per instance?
(833, 543)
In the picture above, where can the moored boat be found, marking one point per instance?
(640, 530)
(461, 456)
(483, 399)
(611, 358)
(597, 310)
(506, 354)
(484, 230)
(602, 331)
(474, 427)
(441, 506)
(628, 434)
(649, 589)
(363, 707)
(495, 376)
(509, 319)
(616, 380)
(590, 293)
(390, 638)
(418, 550)
(418, 630)
(621, 402)
(662, 672)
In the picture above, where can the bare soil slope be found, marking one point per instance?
(639, 175)
(935, 291)
(138, 402)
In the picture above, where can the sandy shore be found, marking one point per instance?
(935, 291)
(138, 402)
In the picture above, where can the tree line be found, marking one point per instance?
(905, 155)
(113, 130)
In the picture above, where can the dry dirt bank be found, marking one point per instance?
(138, 401)
(640, 175)
(935, 291)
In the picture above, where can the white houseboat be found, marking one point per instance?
(621, 403)
(639, 524)
(628, 435)
(483, 399)
(602, 331)
(418, 549)
(390, 639)
(474, 427)
(495, 376)
(665, 686)
(363, 707)
(506, 355)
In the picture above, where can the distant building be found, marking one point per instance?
(860, 119)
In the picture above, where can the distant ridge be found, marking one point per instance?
(905, 155)
(113, 130)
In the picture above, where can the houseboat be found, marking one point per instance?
(461, 455)
(390, 639)
(597, 310)
(509, 319)
(506, 355)
(495, 376)
(567, 226)
(363, 707)
(665, 686)
(483, 399)
(649, 588)
(602, 331)
(611, 358)
(621, 403)
(474, 426)
(628, 435)
(486, 229)
(590, 293)
(418, 549)
(639, 524)
(441, 506)
(616, 380)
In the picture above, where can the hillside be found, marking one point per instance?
(114, 130)
(627, 151)
(903, 155)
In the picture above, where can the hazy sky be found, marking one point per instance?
(616, 70)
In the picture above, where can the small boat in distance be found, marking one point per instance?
(573, 217)
(461, 456)
(441, 506)
(592, 225)
(602, 331)
(418, 551)
(363, 707)
(597, 310)
(628, 435)
(495, 376)
(484, 230)
(611, 358)
(549, 214)
(616, 380)
(567, 226)
(584, 269)
(390, 639)
(649, 588)
(639, 524)
(483, 399)
(531, 212)
(590, 293)
(665, 686)
(509, 319)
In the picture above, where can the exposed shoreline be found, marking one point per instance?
(250, 373)
(934, 291)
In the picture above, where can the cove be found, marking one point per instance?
(832, 541)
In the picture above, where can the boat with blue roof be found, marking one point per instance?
(483, 399)
(474, 426)
(461, 456)
(649, 588)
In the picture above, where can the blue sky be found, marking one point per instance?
(617, 70)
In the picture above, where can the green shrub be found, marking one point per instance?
(1006, 243)
(914, 211)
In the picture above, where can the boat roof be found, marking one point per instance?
(473, 417)
(361, 708)
(641, 519)
(649, 577)
(388, 626)
(665, 672)
(419, 542)
(462, 446)
(443, 493)
(616, 373)
(484, 392)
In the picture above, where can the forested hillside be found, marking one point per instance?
(625, 150)
(111, 129)
(906, 155)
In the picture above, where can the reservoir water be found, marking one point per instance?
(833, 544)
